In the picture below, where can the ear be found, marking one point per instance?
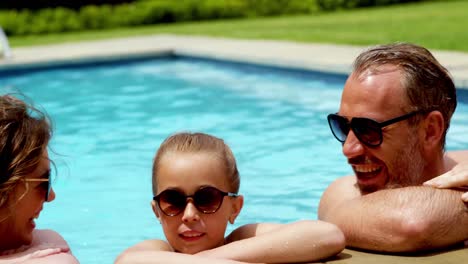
(155, 210)
(432, 130)
(236, 206)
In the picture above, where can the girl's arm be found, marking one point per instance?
(302, 241)
(158, 251)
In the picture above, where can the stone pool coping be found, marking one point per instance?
(315, 57)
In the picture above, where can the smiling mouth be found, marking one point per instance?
(366, 171)
(191, 236)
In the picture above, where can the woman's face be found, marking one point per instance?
(192, 231)
(25, 205)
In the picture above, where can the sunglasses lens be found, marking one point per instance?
(208, 200)
(171, 202)
(367, 131)
(339, 126)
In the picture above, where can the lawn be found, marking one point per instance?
(436, 25)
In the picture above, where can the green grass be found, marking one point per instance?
(435, 25)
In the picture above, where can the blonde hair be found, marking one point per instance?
(24, 134)
(195, 143)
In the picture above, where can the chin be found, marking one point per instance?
(365, 189)
(27, 240)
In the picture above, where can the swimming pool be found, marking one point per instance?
(109, 120)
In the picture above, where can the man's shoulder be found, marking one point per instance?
(344, 182)
(339, 191)
(458, 155)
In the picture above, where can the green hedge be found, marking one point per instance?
(347, 4)
(143, 12)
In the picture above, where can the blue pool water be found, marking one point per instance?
(110, 119)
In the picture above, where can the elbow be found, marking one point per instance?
(412, 236)
(122, 259)
(331, 239)
(336, 240)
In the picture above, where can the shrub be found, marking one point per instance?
(336, 4)
(142, 12)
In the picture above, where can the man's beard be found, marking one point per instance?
(408, 167)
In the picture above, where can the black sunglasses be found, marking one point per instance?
(46, 184)
(368, 131)
(206, 199)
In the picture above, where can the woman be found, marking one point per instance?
(25, 184)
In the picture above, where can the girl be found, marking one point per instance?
(195, 187)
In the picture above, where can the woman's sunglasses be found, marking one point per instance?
(206, 199)
(368, 131)
(46, 184)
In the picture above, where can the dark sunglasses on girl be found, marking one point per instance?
(368, 131)
(46, 184)
(206, 199)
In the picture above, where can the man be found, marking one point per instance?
(392, 121)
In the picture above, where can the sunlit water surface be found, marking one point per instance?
(110, 119)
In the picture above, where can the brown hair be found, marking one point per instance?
(199, 142)
(428, 84)
(24, 134)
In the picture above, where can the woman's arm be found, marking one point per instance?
(302, 241)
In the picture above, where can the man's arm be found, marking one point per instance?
(395, 220)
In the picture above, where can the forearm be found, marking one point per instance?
(301, 241)
(404, 219)
(164, 257)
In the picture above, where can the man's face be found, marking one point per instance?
(398, 161)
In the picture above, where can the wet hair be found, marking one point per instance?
(186, 142)
(428, 84)
(24, 134)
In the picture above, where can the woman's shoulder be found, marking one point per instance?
(47, 246)
(48, 237)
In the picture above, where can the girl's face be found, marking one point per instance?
(192, 231)
(26, 205)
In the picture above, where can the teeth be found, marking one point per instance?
(366, 168)
(192, 235)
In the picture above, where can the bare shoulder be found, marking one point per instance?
(250, 230)
(341, 190)
(458, 156)
(344, 186)
(147, 245)
(47, 236)
(152, 244)
(60, 258)
(47, 246)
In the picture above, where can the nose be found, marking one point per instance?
(352, 147)
(190, 213)
(51, 195)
